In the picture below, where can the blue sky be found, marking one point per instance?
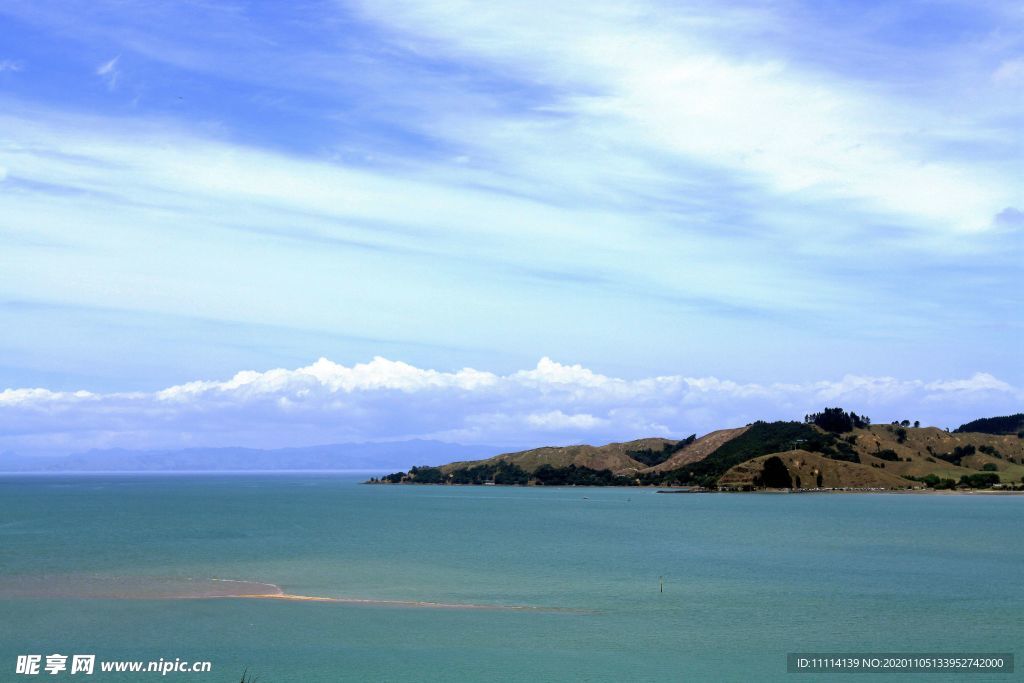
(807, 198)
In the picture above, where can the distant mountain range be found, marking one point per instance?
(345, 456)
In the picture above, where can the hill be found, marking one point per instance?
(918, 452)
(832, 449)
(804, 469)
(620, 458)
(760, 438)
(697, 450)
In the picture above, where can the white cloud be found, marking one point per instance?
(40, 397)
(1010, 72)
(556, 420)
(330, 377)
(384, 399)
(109, 72)
(668, 80)
(980, 381)
(10, 65)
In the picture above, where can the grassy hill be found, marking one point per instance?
(697, 450)
(892, 456)
(812, 470)
(617, 457)
(848, 453)
(760, 438)
(928, 450)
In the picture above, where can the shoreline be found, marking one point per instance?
(684, 489)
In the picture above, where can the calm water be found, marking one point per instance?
(748, 578)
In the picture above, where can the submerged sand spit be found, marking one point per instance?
(76, 586)
(87, 586)
(392, 603)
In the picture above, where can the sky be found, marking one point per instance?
(511, 223)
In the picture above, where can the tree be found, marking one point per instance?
(426, 475)
(511, 474)
(649, 456)
(774, 474)
(958, 454)
(837, 420)
(1007, 424)
(981, 480)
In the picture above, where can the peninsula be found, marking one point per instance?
(830, 450)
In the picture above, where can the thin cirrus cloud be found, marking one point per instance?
(110, 73)
(385, 400)
(651, 74)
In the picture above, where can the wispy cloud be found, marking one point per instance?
(10, 65)
(384, 399)
(109, 72)
(1010, 72)
(779, 191)
(661, 78)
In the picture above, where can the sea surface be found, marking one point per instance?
(111, 565)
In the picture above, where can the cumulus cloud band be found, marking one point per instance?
(387, 400)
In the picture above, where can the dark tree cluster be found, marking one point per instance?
(933, 481)
(547, 475)
(775, 475)
(989, 450)
(651, 457)
(980, 480)
(501, 473)
(958, 454)
(426, 475)
(887, 454)
(1007, 424)
(837, 420)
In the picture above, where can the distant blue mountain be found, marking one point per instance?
(393, 456)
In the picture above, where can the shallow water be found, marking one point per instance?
(117, 565)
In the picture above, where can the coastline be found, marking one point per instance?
(683, 489)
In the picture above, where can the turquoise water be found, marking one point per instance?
(748, 578)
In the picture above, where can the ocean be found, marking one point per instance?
(537, 584)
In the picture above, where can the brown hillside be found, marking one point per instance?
(917, 460)
(917, 456)
(698, 450)
(807, 466)
(608, 457)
